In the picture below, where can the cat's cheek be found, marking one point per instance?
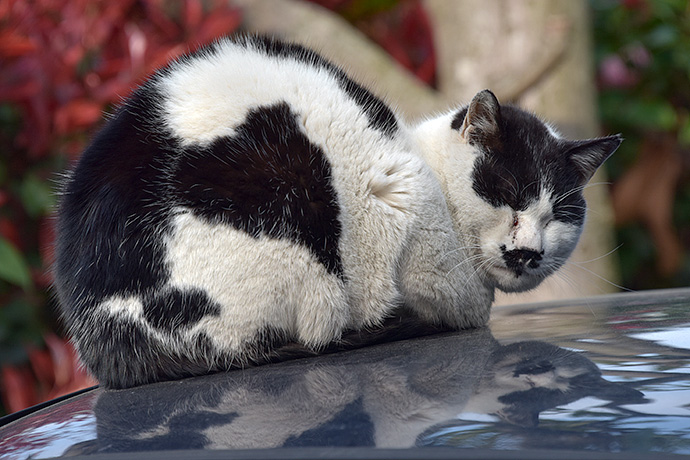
(560, 239)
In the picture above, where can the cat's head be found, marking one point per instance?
(518, 190)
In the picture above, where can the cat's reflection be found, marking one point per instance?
(384, 396)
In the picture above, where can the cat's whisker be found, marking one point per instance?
(595, 184)
(579, 210)
(478, 269)
(526, 187)
(573, 206)
(513, 184)
(596, 275)
(600, 257)
(459, 249)
(562, 276)
(576, 190)
(569, 193)
(572, 215)
(467, 261)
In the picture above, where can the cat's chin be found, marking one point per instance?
(507, 281)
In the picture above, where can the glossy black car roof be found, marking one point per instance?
(605, 377)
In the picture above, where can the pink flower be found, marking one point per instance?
(614, 73)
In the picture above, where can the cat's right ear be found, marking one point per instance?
(589, 154)
(480, 125)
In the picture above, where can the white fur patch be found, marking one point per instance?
(259, 283)
(553, 131)
(209, 97)
(130, 307)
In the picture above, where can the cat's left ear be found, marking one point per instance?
(589, 155)
(480, 126)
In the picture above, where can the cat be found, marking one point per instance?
(251, 194)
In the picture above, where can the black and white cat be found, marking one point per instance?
(252, 194)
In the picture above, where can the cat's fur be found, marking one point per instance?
(252, 194)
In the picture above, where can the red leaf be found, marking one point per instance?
(69, 373)
(156, 15)
(18, 91)
(9, 231)
(18, 388)
(42, 366)
(13, 45)
(218, 25)
(427, 70)
(46, 243)
(193, 14)
(77, 114)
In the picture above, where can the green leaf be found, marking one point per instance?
(684, 134)
(658, 114)
(663, 36)
(362, 9)
(13, 267)
(638, 113)
(37, 196)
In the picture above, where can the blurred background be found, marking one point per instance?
(63, 64)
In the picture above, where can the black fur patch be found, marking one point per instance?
(526, 160)
(261, 349)
(175, 309)
(456, 122)
(533, 367)
(105, 244)
(122, 354)
(268, 179)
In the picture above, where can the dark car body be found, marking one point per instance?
(603, 377)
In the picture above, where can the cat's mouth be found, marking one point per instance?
(516, 274)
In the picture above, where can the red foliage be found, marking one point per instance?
(408, 38)
(51, 372)
(64, 62)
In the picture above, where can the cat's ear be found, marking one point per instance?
(588, 155)
(480, 127)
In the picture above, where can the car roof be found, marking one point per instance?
(599, 377)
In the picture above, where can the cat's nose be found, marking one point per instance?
(518, 259)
